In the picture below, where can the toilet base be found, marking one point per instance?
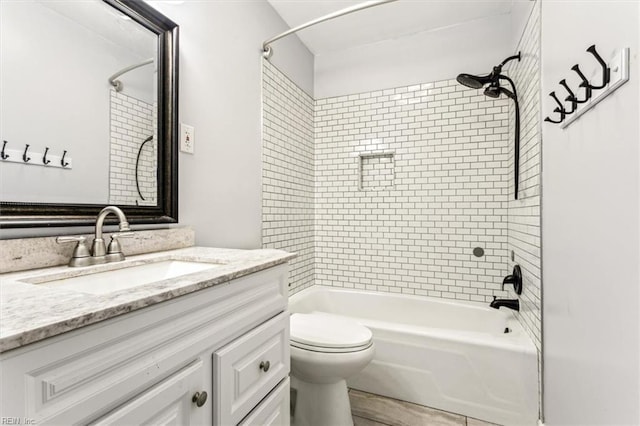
(321, 404)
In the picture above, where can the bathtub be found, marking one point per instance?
(450, 355)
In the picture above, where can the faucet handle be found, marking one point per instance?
(80, 251)
(515, 279)
(114, 245)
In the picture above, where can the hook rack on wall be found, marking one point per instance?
(24, 156)
(614, 74)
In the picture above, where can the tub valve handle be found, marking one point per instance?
(515, 279)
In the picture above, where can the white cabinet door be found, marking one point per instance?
(167, 403)
(248, 368)
(273, 410)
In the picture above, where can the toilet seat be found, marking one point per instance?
(328, 334)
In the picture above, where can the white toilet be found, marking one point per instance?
(325, 351)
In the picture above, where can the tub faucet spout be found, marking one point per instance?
(507, 303)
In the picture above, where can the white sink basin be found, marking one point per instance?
(128, 277)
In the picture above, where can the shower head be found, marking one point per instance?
(474, 81)
(495, 90)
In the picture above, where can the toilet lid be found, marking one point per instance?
(324, 331)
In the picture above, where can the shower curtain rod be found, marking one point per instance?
(115, 83)
(266, 49)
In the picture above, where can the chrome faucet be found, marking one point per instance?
(99, 249)
(99, 252)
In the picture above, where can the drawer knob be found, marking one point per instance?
(199, 398)
(264, 366)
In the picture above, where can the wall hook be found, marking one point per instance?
(62, 162)
(44, 157)
(606, 72)
(4, 156)
(572, 97)
(585, 81)
(24, 156)
(560, 107)
(558, 110)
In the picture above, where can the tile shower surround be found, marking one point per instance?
(288, 174)
(410, 229)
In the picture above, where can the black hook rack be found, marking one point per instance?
(62, 162)
(44, 157)
(4, 156)
(589, 88)
(24, 156)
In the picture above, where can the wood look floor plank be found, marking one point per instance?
(400, 413)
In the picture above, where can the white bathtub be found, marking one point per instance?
(450, 355)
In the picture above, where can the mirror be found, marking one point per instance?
(88, 113)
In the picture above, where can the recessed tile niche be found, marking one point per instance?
(376, 171)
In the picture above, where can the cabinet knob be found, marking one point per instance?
(199, 398)
(264, 366)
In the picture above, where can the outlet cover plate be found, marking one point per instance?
(187, 138)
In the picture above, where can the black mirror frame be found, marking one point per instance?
(29, 215)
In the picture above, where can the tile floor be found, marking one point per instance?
(374, 410)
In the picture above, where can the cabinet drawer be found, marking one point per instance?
(248, 368)
(273, 410)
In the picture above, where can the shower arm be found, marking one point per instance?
(510, 58)
(266, 49)
(516, 149)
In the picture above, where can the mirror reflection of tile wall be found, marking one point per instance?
(132, 153)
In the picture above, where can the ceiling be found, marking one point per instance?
(383, 22)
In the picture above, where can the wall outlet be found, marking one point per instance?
(187, 138)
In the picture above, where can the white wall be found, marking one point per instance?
(590, 224)
(472, 47)
(220, 95)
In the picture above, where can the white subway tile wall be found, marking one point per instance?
(449, 192)
(288, 173)
(131, 122)
(524, 213)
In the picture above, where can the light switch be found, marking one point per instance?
(187, 138)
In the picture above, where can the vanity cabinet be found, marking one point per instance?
(153, 365)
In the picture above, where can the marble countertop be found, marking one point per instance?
(32, 312)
